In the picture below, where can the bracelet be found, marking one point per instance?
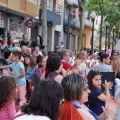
(106, 89)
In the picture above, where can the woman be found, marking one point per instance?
(44, 103)
(8, 86)
(116, 66)
(10, 43)
(76, 94)
(83, 65)
(54, 66)
(37, 54)
(38, 42)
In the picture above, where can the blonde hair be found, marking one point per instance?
(81, 54)
(115, 65)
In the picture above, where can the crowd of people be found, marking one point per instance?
(55, 85)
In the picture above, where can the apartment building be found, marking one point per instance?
(87, 32)
(14, 14)
(74, 24)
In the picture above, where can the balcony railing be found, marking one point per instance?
(75, 3)
(53, 15)
(74, 23)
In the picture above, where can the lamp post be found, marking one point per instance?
(106, 24)
(119, 34)
(113, 38)
(70, 3)
(93, 15)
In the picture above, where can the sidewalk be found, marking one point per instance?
(117, 115)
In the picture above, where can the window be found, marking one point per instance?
(33, 1)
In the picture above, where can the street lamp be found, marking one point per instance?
(70, 3)
(107, 25)
(119, 34)
(113, 38)
(93, 16)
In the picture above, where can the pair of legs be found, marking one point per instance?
(21, 94)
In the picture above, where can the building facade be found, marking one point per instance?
(14, 14)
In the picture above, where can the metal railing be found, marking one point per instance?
(56, 11)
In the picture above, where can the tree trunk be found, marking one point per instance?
(80, 33)
(101, 24)
(44, 22)
(108, 40)
(81, 9)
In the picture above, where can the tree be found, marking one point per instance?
(109, 10)
(44, 21)
(81, 9)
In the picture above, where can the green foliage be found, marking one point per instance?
(111, 10)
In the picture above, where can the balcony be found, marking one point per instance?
(75, 3)
(53, 16)
(74, 23)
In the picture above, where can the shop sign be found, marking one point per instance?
(29, 23)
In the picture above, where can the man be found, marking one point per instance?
(23, 50)
(103, 65)
(65, 56)
(24, 41)
(57, 49)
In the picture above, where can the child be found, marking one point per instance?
(41, 69)
(30, 68)
(7, 97)
(19, 72)
(97, 99)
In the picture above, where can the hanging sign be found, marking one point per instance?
(30, 23)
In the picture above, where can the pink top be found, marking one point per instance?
(39, 71)
(8, 111)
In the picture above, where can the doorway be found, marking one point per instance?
(2, 31)
(56, 38)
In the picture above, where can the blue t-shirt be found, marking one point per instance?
(96, 104)
(17, 67)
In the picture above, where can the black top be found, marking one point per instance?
(3, 62)
(23, 43)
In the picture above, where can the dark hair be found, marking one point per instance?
(9, 41)
(18, 54)
(45, 100)
(73, 85)
(41, 40)
(104, 56)
(2, 51)
(32, 62)
(23, 35)
(7, 54)
(7, 89)
(90, 76)
(113, 51)
(53, 62)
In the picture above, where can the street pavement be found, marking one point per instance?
(117, 115)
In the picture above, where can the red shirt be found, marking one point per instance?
(67, 65)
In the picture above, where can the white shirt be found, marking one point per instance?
(31, 117)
